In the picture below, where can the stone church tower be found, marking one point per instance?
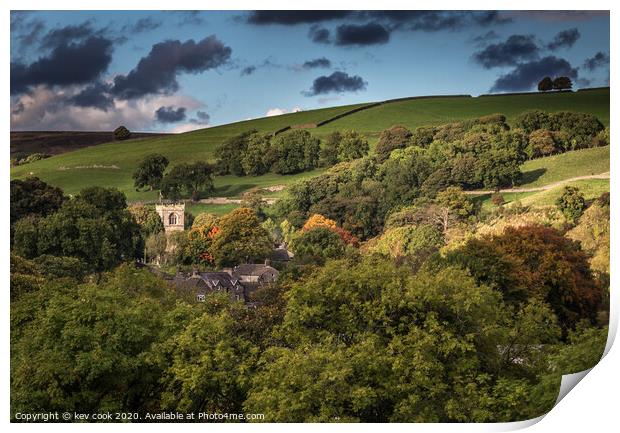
(172, 215)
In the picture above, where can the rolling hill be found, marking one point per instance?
(112, 164)
(57, 142)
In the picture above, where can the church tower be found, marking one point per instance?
(172, 215)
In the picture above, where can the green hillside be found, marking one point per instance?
(419, 112)
(112, 164)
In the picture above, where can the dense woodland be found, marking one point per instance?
(405, 301)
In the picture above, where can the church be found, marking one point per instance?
(172, 215)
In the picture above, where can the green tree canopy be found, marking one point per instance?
(192, 180)
(240, 239)
(150, 171)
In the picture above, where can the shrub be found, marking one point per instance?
(497, 199)
(571, 203)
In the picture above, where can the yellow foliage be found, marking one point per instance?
(318, 220)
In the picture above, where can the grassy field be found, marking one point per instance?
(112, 164)
(444, 110)
(543, 171)
(591, 188)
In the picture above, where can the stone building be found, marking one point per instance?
(172, 215)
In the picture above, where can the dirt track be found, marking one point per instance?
(541, 188)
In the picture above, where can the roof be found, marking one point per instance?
(255, 270)
(219, 279)
(281, 255)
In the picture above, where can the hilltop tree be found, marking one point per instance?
(122, 133)
(183, 180)
(545, 84)
(562, 83)
(150, 171)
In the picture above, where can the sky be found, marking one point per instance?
(179, 71)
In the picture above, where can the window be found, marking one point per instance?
(172, 219)
(201, 298)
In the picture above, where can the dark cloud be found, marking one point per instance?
(157, 72)
(318, 34)
(170, 114)
(248, 70)
(338, 82)
(485, 38)
(526, 75)
(564, 39)
(193, 18)
(67, 34)
(95, 95)
(515, 49)
(27, 31)
(429, 21)
(365, 34)
(434, 21)
(142, 25)
(321, 62)
(67, 64)
(557, 16)
(267, 63)
(289, 18)
(202, 116)
(600, 59)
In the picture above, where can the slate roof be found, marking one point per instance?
(253, 270)
(219, 279)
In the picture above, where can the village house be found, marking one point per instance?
(201, 284)
(239, 282)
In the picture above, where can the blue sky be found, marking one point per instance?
(81, 70)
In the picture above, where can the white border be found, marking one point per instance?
(591, 406)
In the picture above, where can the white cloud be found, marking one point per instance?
(278, 111)
(45, 109)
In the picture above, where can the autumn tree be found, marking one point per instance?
(535, 262)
